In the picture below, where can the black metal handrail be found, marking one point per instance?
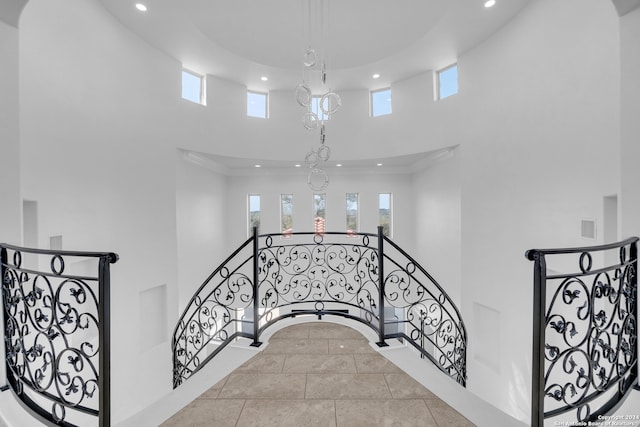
(305, 273)
(585, 332)
(432, 315)
(57, 332)
(213, 314)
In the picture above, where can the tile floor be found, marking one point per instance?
(318, 374)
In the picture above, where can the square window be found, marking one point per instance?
(257, 104)
(447, 81)
(381, 102)
(193, 87)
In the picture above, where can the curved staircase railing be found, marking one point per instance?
(432, 322)
(585, 332)
(215, 315)
(271, 277)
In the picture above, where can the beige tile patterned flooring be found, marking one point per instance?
(318, 374)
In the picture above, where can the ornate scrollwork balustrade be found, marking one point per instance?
(585, 330)
(432, 323)
(335, 274)
(56, 332)
(276, 276)
(219, 312)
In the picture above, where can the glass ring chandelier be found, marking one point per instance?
(315, 71)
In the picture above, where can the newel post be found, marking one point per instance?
(4, 372)
(104, 338)
(381, 342)
(256, 296)
(539, 325)
(633, 255)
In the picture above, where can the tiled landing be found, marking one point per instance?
(318, 374)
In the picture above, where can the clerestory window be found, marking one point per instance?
(193, 87)
(447, 81)
(381, 102)
(257, 105)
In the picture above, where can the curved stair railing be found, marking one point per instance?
(432, 323)
(585, 333)
(271, 277)
(56, 313)
(215, 315)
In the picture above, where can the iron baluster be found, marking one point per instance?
(104, 338)
(381, 303)
(256, 293)
(4, 382)
(633, 255)
(539, 325)
(422, 319)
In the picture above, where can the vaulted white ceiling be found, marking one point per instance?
(242, 40)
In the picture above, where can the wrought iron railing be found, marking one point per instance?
(585, 331)
(432, 322)
(57, 332)
(215, 316)
(271, 277)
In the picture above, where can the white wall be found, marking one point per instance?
(98, 130)
(436, 192)
(417, 124)
(540, 103)
(630, 125)
(201, 212)
(10, 198)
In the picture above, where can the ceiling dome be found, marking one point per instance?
(353, 32)
(242, 40)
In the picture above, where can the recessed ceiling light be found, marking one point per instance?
(257, 166)
(264, 78)
(141, 7)
(489, 3)
(379, 164)
(376, 76)
(339, 165)
(298, 166)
